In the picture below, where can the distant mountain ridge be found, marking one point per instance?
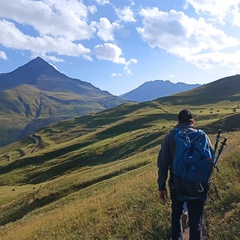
(155, 89)
(37, 94)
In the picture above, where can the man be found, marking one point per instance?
(165, 165)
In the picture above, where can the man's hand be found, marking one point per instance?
(163, 195)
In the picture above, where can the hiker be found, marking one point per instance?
(165, 164)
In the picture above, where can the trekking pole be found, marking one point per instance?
(223, 144)
(216, 143)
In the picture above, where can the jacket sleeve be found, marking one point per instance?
(164, 162)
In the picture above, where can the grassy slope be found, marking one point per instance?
(25, 109)
(94, 177)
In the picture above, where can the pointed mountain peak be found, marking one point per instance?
(38, 63)
(39, 60)
(28, 73)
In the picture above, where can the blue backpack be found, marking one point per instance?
(193, 164)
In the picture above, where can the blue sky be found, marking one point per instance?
(118, 45)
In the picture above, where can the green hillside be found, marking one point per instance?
(225, 89)
(95, 176)
(25, 109)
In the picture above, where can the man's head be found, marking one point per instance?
(185, 115)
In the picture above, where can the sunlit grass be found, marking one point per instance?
(95, 177)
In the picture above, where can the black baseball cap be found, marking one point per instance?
(185, 115)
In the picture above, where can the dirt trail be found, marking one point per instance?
(37, 141)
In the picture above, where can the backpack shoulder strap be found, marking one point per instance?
(201, 131)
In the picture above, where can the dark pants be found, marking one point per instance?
(195, 213)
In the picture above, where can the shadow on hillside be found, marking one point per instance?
(113, 154)
(142, 122)
(40, 159)
(34, 201)
(228, 123)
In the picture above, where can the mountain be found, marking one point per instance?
(36, 94)
(155, 89)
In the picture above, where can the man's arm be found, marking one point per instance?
(163, 163)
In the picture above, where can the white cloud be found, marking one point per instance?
(53, 59)
(92, 9)
(127, 69)
(105, 29)
(126, 14)
(103, 2)
(213, 59)
(222, 10)
(113, 53)
(236, 17)
(110, 52)
(55, 27)
(116, 74)
(66, 19)
(3, 55)
(181, 35)
(12, 37)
